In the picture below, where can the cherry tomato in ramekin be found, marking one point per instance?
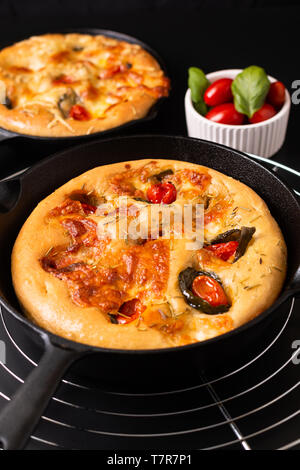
(219, 92)
(225, 114)
(276, 95)
(265, 112)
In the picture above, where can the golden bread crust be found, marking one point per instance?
(252, 283)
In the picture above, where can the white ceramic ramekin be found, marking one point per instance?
(264, 138)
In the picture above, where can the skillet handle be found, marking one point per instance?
(21, 415)
(293, 289)
(6, 136)
(10, 191)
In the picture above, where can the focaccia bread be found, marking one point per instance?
(61, 85)
(141, 292)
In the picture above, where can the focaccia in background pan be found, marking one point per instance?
(61, 85)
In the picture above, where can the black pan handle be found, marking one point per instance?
(21, 415)
(10, 191)
(6, 136)
(293, 289)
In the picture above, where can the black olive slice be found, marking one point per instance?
(140, 199)
(243, 236)
(86, 198)
(77, 48)
(206, 202)
(229, 236)
(136, 242)
(113, 319)
(186, 278)
(8, 103)
(66, 101)
(71, 267)
(160, 176)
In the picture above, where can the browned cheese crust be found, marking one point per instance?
(75, 288)
(43, 77)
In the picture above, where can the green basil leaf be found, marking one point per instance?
(198, 83)
(200, 107)
(249, 89)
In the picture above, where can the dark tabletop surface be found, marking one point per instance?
(211, 38)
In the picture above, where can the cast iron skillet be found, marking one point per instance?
(17, 199)
(152, 113)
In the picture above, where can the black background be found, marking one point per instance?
(210, 34)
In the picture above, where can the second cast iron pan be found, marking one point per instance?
(152, 113)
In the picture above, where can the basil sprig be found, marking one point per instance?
(198, 83)
(249, 89)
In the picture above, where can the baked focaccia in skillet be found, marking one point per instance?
(60, 85)
(141, 292)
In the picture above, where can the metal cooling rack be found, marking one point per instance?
(254, 405)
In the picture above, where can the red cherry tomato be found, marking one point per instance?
(110, 72)
(88, 208)
(79, 113)
(223, 250)
(63, 79)
(210, 290)
(276, 95)
(164, 193)
(219, 92)
(131, 309)
(225, 114)
(265, 112)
